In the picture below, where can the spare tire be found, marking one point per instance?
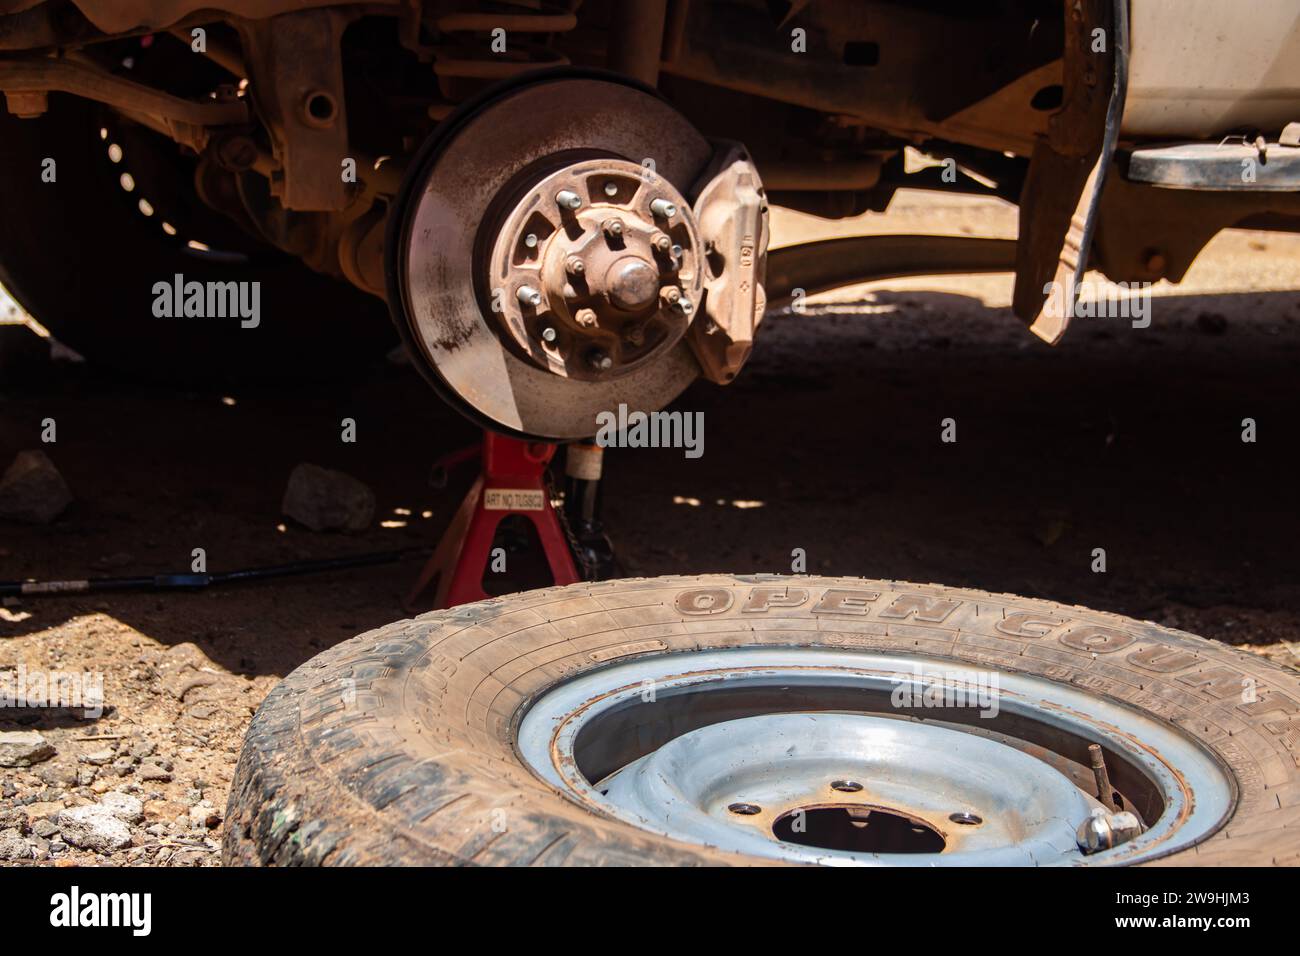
(759, 718)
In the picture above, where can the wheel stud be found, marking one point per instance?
(574, 266)
(568, 199)
(613, 229)
(599, 360)
(611, 189)
(663, 208)
(530, 240)
(662, 244)
(586, 317)
(528, 296)
(548, 334)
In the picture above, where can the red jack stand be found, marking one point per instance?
(512, 482)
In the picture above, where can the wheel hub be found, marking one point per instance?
(595, 270)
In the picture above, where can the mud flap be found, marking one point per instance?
(1062, 193)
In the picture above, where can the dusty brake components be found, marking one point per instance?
(545, 263)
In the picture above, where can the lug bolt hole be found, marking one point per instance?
(846, 786)
(744, 809)
(966, 819)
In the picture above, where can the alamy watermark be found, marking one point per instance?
(179, 299)
(71, 690)
(634, 429)
(1103, 300)
(945, 689)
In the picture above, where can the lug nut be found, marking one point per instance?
(586, 317)
(685, 306)
(529, 296)
(677, 252)
(662, 243)
(530, 240)
(548, 334)
(1104, 830)
(612, 228)
(611, 189)
(600, 360)
(574, 266)
(568, 199)
(663, 208)
(671, 295)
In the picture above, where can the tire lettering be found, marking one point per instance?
(843, 601)
(704, 601)
(761, 599)
(1026, 624)
(1161, 659)
(1096, 639)
(920, 606)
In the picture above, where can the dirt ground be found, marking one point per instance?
(1122, 439)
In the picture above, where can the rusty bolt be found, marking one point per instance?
(612, 228)
(634, 335)
(662, 243)
(586, 317)
(529, 296)
(568, 199)
(600, 360)
(685, 306)
(671, 295)
(574, 266)
(663, 208)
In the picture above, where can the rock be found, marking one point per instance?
(58, 774)
(326, 500)
(93, 827)
(23, 748)
(205, 816)
(143, 748)
(13, 819)
(123, 765)
(45, 828)
(32, 489)
(151, 771)
(98, 758)
(13, 847)
(123, 806)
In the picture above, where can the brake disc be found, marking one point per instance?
(544, 264)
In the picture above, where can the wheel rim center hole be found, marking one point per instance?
(856, 829)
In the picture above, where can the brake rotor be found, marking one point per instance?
(544, 265)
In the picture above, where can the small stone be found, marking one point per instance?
(123, 765)
(204, 816)
(32, 489)
(58, 774)
(143, 748)
(45, 828)
(151, 771)
(123, 806)
(23, 748)
(327, 500)
(13, 847)
(86, 776)
(98, 758)
(93, 827)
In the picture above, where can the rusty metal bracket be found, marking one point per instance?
(85, 80)
(1058, 207)
(297, 83)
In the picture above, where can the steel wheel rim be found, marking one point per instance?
(703, 740)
